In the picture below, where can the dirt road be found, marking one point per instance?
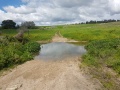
(49, 75)
(59, 38)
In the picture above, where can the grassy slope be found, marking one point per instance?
(90, 31)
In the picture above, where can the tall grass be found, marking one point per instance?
(87, 32)
(33, 34)
(102, 54)
(41, 35)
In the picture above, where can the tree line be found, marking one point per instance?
(10, 24)
(102, 21)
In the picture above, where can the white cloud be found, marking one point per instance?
(114, 6)
(25, 1)
(44, 12)
(21, 10)
(72, 3)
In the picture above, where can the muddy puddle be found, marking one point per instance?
(59, 51)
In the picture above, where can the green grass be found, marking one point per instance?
(10, 32)
(81, 32)
(41, 35)
(34, 34)
(87, 32)
(101, 54)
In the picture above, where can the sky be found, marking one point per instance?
(53, 12)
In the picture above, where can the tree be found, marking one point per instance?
(8, 24)
(20, 35)
(28, 24)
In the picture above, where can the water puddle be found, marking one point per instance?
(59, 50)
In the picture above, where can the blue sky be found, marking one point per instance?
(15, 3)
(52, 12)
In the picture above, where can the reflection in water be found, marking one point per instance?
(59, 50)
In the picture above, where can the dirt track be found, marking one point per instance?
(59, 38)
(52, 75)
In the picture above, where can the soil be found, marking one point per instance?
(59, 38)
(49, 75)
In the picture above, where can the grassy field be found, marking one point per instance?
(34, 34)
(87, 32)
(82, 32)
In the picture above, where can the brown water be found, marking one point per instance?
(59, 51)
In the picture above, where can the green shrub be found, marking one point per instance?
(13, 52)
(32, 47)
(25, 57)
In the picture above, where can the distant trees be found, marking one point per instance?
(102, 21)
(8, 24)
(25, 26)
(28, 24)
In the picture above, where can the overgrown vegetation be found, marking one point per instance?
(103, 54)
(13, 52)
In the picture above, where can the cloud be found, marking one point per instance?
(50, 12)
(114, 6)
(72, 3)
(25, 1)
(21, 10)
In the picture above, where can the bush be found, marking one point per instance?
(13, 52)
(32, 47)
